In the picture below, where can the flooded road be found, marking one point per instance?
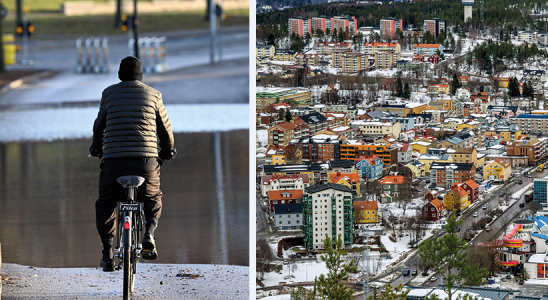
(48, 192)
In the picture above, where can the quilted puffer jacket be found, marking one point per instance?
(131, 119)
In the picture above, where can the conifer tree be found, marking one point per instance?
(390, 293)
(406, 91)
(513, 87)
(447, 255)
(333, 285)
(288, 117)
(399, 87)
(455, 84)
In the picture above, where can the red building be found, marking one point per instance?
(471, 188)
(433, 194)
(284, 197)
(434, 59)
(433, 210)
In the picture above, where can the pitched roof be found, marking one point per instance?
(426, 45)
(460, 191)
(437, 203)
(438, 85)
(381, 44)
(285, 194)
(464, 151)
(392, 179)
(471, 183)
(454, 166)
(348, 177)
(368, 204)
(275, 149)
(267, 179)
(322, 187)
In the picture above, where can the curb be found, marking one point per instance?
(17, 83)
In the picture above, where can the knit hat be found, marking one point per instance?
(130, 69)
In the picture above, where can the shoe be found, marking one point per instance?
(149, 248)
(107, 264)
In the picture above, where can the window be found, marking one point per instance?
(433, 215)
(280, 222)
(288, 222)
(297, 215)
(298, 222)
(275, 201)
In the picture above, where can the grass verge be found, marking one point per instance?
(104, 24)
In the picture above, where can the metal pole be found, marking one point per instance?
(135, 30)
(212, 29)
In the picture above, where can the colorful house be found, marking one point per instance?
(283, 197)
(370, 166)
(497, 169)
(457, 199)
(433, 210)
(366, 212)
(433, 194)
(275, 155)
(351, 180)
(471, 188)
(417, 167)
(392, 186)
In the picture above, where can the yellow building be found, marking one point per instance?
(372, 48)
(351, 180)
(497, 169)
(378, 128)
(386, 59)
(366, 212)
(265, 50)
(465, 155)
(418, 168)
(291, 96)
(284, 55)
(457, 198)
(439, 88)
(429, 159)
(505, 133)
(420, 147)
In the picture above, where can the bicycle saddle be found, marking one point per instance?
(130, 181)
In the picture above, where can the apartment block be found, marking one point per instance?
(327, 210)
(435, 26)
(531, 123)
(389, 27)
(386, 59)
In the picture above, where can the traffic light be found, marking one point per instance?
(124, 23)
(24, 29)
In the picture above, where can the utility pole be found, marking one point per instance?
(135, 29)
(19, 17)
(118, 15)
(212, 30)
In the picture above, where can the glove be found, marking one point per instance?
(167, 154)
(94, 152)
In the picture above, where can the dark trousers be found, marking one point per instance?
(111, 192)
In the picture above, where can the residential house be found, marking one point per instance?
(492, 140)
(265, 50)
(378, 128)
(284, 197)
(433, 194)
(433, 210)
(282, 133)
(351, 180)
(316, 122)
(534, 78)
(445, 174)
(429, 159)
(307, 59)
(471, 188)
(497, 169)
(417, 168)
(327, 210)
(405, 153)
(456, 198)
(507, 133)
(439, 88)
(366, 212)
(427, 49)
(283, 182)
(372, 48)
(465, 155)
(269, 96)
(434, 59)
(284, 55)
(318, 148)
(392, 187)
(350, 150)
(371, 167)
(275, 155)
(288, 216)
(463, 80)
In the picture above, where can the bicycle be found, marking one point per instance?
(130, 217)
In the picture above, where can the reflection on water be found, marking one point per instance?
(48, 192)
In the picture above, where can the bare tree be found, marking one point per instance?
(264, 257)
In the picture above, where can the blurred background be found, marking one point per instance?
(58, 56)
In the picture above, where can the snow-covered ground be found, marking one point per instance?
(73, 123)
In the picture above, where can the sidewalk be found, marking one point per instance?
(153, 281)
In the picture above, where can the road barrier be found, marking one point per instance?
(92, 55)
(152, 52)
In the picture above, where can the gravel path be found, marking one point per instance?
(153, 281)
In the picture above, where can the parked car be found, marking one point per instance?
(414, 273)
(485, 206)
(521, 282)
(501, 194)
(503, 279)
(521, 204)
(520, 181)
(530, 176)
(286, 262)
(475, 214)
(310, 255)
(471, 244)
(406, 272)
(298, 255)
(425, 273)
(432, 187)
(508, 276)
(487, 228)
(434, 278)
(360, 283)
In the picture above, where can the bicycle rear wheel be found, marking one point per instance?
(128, 272)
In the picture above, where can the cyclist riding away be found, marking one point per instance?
(131, 122)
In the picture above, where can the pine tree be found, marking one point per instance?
(281, 114)
(389, 292)
(406, 91)
(526, 90)
(399, 87)
(455, 84)
(448, 253)
(513, 87)
(333, 285)
(288, 117)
